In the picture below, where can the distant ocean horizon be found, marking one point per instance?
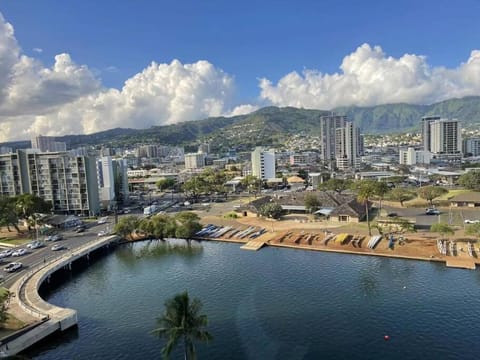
(271, 304)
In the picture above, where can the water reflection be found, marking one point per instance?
(154, 249)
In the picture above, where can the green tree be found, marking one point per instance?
(271, 210)
(182, 322)
(166, 184)
(442, 228)
(159, 226)
(185, 216)
(401, 195)
(194, 186)
(187, 230)
(4, 301)
(470, 180)
(337, 185)
(311, 202)
(28, 205)
(8, 215)
(252, 183)
(303, 174)
(430, 193)
(214, 180)
(187, 225)
(366, 189)
(473, 230)
(381, 189)
(126, 225)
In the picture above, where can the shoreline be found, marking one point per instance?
(413, 246)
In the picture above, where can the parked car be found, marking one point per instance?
(6, 253)
(57, 247)
(468, 221)
(19, 252)
(102, 220)
(13, 266)
(80, 229)
(34, 245)
(102, 233)
(392, 214)
(432, 211)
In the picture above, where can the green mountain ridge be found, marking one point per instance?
(271, 125)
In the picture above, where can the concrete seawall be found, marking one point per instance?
(26, 299)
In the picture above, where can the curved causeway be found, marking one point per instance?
(48, 318)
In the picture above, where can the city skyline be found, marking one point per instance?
(89, 67)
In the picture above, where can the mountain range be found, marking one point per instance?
(271, 125)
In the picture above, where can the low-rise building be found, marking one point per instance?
(471, 199)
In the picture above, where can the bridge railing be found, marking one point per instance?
(28, 305)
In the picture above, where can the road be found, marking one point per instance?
(71, 240)
(452, 216)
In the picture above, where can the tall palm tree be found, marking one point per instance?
(365, 190)
(182, 321)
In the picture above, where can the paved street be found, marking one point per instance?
(71, 240)
(453, 216)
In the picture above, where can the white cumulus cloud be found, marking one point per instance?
(369, 77)
(67, 98)
(242, 110)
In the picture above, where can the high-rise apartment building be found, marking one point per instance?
(106, 181)
(120, 169)
(426, 131)
(471, 147)
(48, 144)
(10, 179)
(112, 181)
(204, 148)
(5, 150)
(147, 151)
(446, 139)
(328, 128)
(263, 163)
(347, 146)
(68, 182)
(194, 161)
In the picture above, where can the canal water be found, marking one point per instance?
(270, 304)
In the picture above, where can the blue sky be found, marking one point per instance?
(292, 45)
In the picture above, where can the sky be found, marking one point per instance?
(77, 67)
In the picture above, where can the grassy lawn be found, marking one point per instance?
(10, 238)
(18, 241)
(453, 193)
(355, 228)
(443, 200)
(12, 324)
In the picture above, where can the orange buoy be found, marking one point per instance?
(386, 337)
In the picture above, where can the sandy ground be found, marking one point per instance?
(320, 236)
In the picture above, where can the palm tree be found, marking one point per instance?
(365, 190)
(182, 321)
